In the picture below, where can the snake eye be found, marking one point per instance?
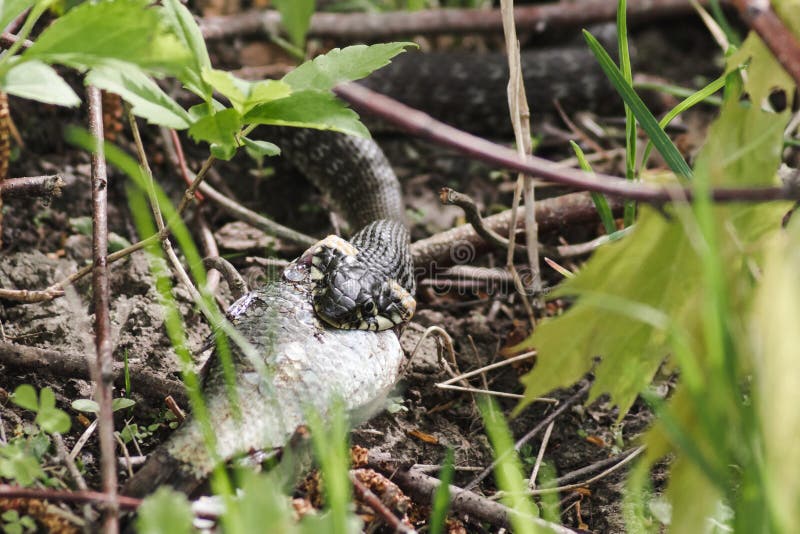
(369, 308)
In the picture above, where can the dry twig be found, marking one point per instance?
(368, 26)
(102, 372)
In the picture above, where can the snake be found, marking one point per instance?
(327, 331)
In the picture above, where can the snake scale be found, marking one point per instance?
(302, 362)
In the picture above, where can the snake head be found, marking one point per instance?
(350, 295)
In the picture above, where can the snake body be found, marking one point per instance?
(302, 362)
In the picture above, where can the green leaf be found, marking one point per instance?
(296, 18)
(36, 81)
(132, 31)
(53, 420)
(9, 9)
(183, 24)
(121, 403)
(25, 397)
(687, 103)
(165, 512)
(658, 268)
(85, 405)
(342, 65)
(646, 119)
(145, 96)
(309, 109)
(47, 399)
(243, 94)
(259, 149)
(600, 202)
(774, 353)
(219, 128)
(19, 465)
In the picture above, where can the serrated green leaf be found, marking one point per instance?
(646, 119)
(342, 65)
(309, 109)
(243, 94)
(9, 9)
(36, 81)
(296, 18)
(165, 512)
(121, 403)
(658, 266)
(85, 405)
(145, 96)
(25, 397)
(132, 31)
(218, 128)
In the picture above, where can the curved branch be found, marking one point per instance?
(423, 125)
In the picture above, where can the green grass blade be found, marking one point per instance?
(630, 121)
(646, 119)
(508, 471)
(600, 202)
(441, 500)
(690, 101)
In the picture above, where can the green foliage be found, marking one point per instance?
(714, 287)
(13, 523)
(11, 8)
(131, 32)
(90, 406)
(296, 18)
(441, 499)
(165, 512)
(309, 109)
(342, 65)
(330, 443)
(142, 93)
(646, 119)
(48, 417)
(18, 463)
(508, 471)
(600, 202)
(37, 81)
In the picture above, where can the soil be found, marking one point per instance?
(45, 243)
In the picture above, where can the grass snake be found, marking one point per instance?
(366, 283)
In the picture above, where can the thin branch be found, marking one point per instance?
(600, 465)
(422, 487)
(616, 467)
(423, 125)
(533, 432)
(540, 456)
(460, 245)
(473, 215)
(236, 283)
(46, 187)
(372, 500)
(760, 16)
(365, 26)
(103, 377)
(75, 365)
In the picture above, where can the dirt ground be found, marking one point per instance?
(44, 243)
